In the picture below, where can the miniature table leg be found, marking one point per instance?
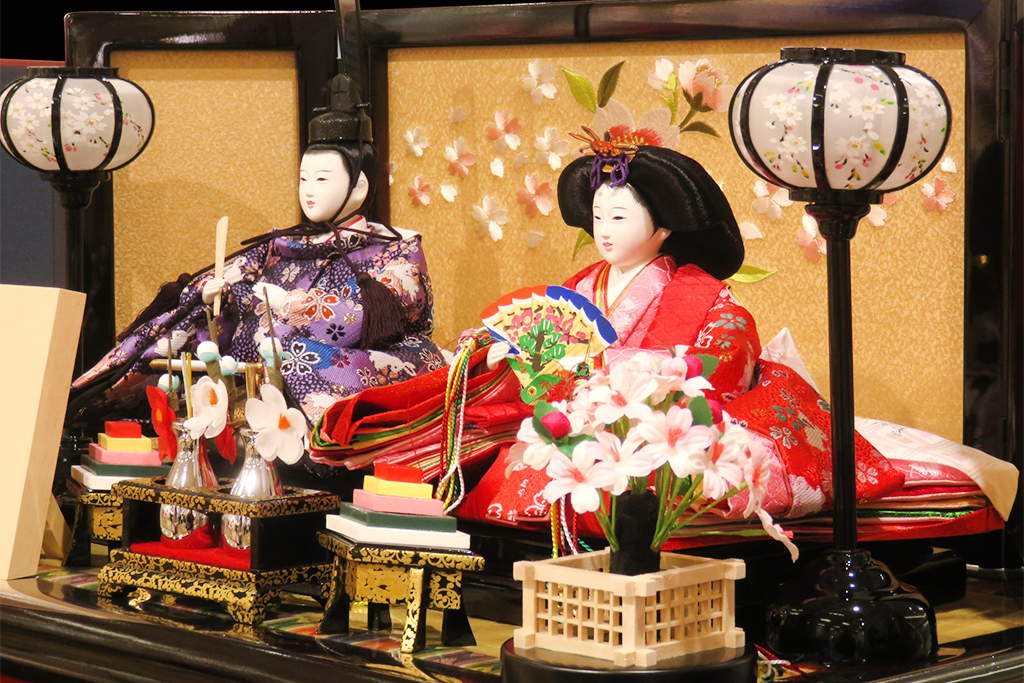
(80, 554)
(414, 636)
(455, 628)
(336, 610)
(378, 616)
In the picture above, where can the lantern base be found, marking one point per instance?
(849, 610)
(75, 187)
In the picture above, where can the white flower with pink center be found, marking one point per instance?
(624, 456)
(623, 395)
(756, 474)
(673, 437)
(537, 453)
(724, 462)
(681, 373)
(581, 478)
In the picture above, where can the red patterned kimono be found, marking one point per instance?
(661, 308)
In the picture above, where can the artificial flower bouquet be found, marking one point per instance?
(642, 448)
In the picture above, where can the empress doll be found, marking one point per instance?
(667, 238)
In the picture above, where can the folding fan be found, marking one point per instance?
(551, 330)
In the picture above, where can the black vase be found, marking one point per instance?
(636, 519)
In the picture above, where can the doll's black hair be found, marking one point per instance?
(680, 196)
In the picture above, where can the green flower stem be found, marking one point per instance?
(661, 486)
(621, 428)
(727, 496)
(666, 525)
(607, 522)
(689, 117)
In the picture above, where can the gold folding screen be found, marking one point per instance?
(224, 144)
(908, 270)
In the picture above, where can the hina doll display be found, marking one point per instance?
(667, 237)
(347, 302)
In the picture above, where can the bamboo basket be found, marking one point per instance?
(573, 605)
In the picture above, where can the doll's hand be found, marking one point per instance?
(496, 353)
(212, 288)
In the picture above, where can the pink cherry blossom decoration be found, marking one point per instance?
(708, 81)
(535, 198)
(808, 238)
(937, 197)
(459, 158)
(503, 131)
(420, 192)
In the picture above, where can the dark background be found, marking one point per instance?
(38, 33)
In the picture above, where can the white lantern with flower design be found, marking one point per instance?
(826, 119)
(75, 120)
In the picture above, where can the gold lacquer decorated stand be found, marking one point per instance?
(97, 520)
(283, 550)
(389, 575)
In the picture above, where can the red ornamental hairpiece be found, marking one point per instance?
(609, 157)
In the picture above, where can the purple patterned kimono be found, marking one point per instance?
(319, 323)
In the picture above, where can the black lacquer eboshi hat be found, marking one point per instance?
(679, 194)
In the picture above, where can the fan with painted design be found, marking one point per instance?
(551, 330)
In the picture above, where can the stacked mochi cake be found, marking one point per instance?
(396, 508)
(121, 452)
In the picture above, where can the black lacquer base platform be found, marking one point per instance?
(724, 665)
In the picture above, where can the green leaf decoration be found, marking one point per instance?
(582, 240)
(582, 89)
(609, 82)
(700, 127)
(701, 411)
(748, 274)
(698, 103)
(710, 364)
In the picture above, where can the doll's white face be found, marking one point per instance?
(623, 229)
(323, 183)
